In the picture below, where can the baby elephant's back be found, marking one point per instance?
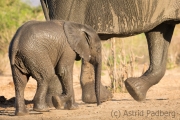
(41, 35)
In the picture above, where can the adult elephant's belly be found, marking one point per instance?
(133, 17)
(122, 17)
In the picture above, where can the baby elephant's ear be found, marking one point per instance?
(77, 39)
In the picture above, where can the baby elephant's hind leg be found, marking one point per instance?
(20, 81)
(43, 79)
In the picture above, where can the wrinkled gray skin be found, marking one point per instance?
(122, 18)
(87, 79)
(46, 51)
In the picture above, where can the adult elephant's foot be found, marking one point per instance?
(88, 93)
(138, 87)
(22, 112)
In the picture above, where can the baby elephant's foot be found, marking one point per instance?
(137, 88)
(70, 106)
(57, 102)
(43, 108)
(88, 93)
(22, 112)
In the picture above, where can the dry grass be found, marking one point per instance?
(4, 63)
(121, 62)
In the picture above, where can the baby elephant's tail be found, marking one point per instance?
(13, 47)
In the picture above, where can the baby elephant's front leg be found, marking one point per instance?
(70, 104)
(67, 97)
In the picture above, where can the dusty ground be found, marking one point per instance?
(163, 102)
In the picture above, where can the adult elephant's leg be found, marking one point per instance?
(87, 81)
(20, 82)
(158, 42)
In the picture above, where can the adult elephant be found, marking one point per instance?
(121, 18)
(46, 51)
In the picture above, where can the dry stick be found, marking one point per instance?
(114, 65)
(124, 67)
(113, 50)
(117, 76)
(132, 58)
(109, 64)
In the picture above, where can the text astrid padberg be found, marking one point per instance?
(149, 113)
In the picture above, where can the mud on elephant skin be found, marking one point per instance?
(123, 18)
(46, 50)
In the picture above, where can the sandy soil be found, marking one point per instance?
(163, 102)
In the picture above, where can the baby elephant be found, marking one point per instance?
(46, 50)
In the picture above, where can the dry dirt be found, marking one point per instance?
(163, 102)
